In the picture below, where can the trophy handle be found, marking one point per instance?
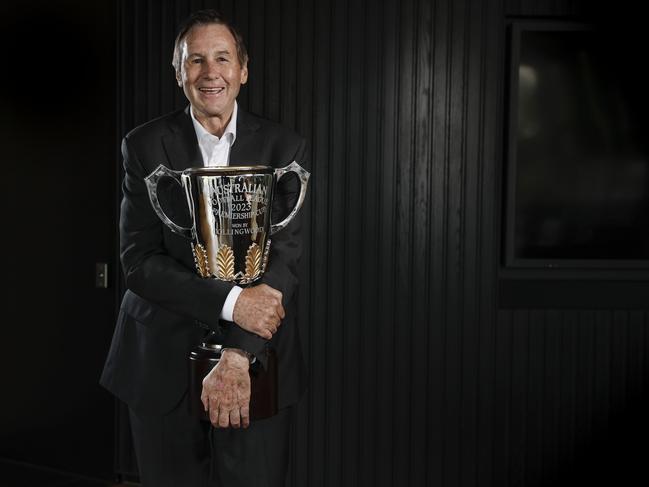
(152, 186)
(303, 175)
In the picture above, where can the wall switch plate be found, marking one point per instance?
(101, 275)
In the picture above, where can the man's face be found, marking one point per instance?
(210, 72)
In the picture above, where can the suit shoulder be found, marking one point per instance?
(277, 130)
(155, 127)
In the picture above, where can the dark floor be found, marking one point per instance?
(20, 475)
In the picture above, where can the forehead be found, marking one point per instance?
(210, 37)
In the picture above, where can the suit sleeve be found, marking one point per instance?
(149, 270)
(285, 251)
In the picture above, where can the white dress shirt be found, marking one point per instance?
(216, 152)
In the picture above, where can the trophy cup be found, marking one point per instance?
(230, 209)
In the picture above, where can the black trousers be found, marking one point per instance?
(178, 450)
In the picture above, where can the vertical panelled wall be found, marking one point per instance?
(572, 397)
(400, 101)
(416, 378)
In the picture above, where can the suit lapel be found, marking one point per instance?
(181, 144)
(246, 148)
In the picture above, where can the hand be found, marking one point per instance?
(259, 310)
(226, 391)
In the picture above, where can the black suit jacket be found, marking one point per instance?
(167, 306)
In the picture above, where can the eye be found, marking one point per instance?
(222, 59)
(196, 61)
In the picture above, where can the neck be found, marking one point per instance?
(214, 125)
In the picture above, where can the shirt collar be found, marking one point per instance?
(230, 131)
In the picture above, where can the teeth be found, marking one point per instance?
(211, 90)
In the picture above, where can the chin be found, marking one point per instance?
(208, 111)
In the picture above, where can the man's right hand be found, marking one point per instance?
(259, 310)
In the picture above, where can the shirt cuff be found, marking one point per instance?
(228, 306)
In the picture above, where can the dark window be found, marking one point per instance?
(578, 158)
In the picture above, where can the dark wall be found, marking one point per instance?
(430, 363)
(571, 344)
(57, 127)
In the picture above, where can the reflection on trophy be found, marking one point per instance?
(230, 209)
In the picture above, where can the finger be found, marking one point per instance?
(214, 415)
(281, 312)
(245, 416)
(235, 418)
(269, 327)
(264, 332)
(275, 321)
(243, 402)
(275, 317)
(224, 418)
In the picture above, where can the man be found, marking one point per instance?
(167, 305)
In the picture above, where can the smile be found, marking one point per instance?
(211, 91)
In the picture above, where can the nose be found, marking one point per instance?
(211, 69)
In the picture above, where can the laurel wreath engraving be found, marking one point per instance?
(225, 263)
(200, 259)
(253, 261)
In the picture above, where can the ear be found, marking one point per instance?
(179, 78)
(244, 74)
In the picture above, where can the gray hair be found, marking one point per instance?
(206, 17)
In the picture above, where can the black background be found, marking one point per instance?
(59, 147)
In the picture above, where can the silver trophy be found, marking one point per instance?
(230, 209)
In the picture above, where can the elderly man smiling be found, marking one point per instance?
(166, 301)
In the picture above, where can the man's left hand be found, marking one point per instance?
(226, 391)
